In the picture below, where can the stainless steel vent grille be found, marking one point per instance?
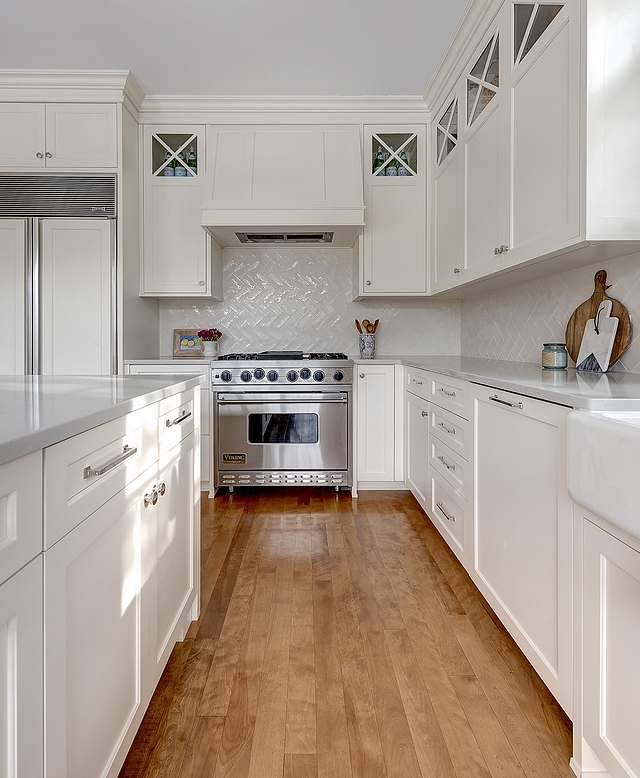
(285, 237)
(23, 196)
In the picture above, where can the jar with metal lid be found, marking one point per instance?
(554, 356)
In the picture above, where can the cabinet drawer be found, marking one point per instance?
(450, 393)
(20, 512)
(450, 465)
(177, 418)
(450, 429)
(449, 512)
(83, 472)
(417, 382)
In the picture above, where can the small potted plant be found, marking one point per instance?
(210, 340)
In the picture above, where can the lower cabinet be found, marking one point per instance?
(379, 445)
(611, 635)
(21, 678)
(417, 443)
(522, 560)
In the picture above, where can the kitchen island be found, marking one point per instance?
(99, 560)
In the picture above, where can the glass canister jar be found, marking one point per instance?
(554, 356)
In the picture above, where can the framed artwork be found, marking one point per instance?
(186, 343)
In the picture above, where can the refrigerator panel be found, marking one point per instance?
(13, 252)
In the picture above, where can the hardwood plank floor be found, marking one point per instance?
(341, 638)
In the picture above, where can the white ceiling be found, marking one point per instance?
(237, 47)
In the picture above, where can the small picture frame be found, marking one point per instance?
(186, 343)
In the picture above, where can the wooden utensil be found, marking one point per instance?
(358, 327)
(588, 310)
(375, 325)
(366, 323)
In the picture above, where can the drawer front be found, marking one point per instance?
(451, 466)
(449, 512)
(451, 430)
(451, 394)
(20, 512)
(177, 418)
(83, 472)
(417, 382)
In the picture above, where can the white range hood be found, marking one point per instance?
(279, 185)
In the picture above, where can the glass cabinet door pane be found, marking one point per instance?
(394, 154)
(521, 17)
(447, 132)
(538, 17)
(483, 80)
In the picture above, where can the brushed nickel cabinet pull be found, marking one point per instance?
(496, 399)
(446, 429)
(183, 416)
(440, 507)
(415, 381)
(446, 464)
(447, 394)
(127, 452)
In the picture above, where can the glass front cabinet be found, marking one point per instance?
(393, 245)
(178, 257)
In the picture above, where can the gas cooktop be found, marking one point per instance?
(269, 355)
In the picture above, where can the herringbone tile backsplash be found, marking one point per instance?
(301, 299)
(513, 323)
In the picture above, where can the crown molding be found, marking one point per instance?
(476, 20)
(108, 86)
(271, 110)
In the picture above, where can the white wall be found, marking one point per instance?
(513, 323)
(301, 299)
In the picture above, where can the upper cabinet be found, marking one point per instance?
(178, 257)
(391, 257)
(535, 169)
(58, 136)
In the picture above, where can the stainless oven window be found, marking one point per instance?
(282, 428)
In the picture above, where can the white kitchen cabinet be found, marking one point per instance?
(379, 411)
(549, 165)
(417, 445)
(392, 261)
(179, 259)
(610, 634)
(62, 136)
(523, 528)
(21, 679)
(206, 407)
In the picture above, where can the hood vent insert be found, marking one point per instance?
(285, 237)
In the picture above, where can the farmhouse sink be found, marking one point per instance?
(603, 469)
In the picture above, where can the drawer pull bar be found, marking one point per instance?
(447, 394)
(415, 381)
(440, 507)
(496, 399)
(127, 452)
(446, 429)
(183, 417)
(446, 464)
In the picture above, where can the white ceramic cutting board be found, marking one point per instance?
(597, 341)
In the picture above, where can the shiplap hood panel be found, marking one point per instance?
(283, 179)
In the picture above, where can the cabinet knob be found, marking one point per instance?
(162, 488)
(48, 155)
(368, 283)
(456, 269)
(501, 249)
(201, 283)
(361, 375)
(425, 413)
(39, 154)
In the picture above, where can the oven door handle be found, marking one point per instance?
(282, 402)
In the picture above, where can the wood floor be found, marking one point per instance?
(341, 638)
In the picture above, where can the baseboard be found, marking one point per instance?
(589, 773)
(394, 486)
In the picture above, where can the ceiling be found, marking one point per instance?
(238, 47)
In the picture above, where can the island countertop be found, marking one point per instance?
(39, 411)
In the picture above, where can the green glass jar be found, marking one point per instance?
(554, 356)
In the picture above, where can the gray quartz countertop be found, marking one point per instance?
(613, 391)
(39, 411)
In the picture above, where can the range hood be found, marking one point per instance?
(283, 185)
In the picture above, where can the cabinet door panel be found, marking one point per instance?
(79, 136)
(12, 295)
(376, 423)
(449, 512)
(611, 637)
(449, 221)
(417, 437)
(21, 684)
(22, 135)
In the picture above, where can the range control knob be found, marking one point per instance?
(318, 375)
(226, 375)
(338, 375)
(258, 374)
(305, 373)
(245, 375)
(272, 375)
(292, 375)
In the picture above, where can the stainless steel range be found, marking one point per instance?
(282, 418)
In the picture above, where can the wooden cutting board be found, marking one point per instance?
(588, 310)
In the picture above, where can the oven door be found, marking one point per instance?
(282, 431)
